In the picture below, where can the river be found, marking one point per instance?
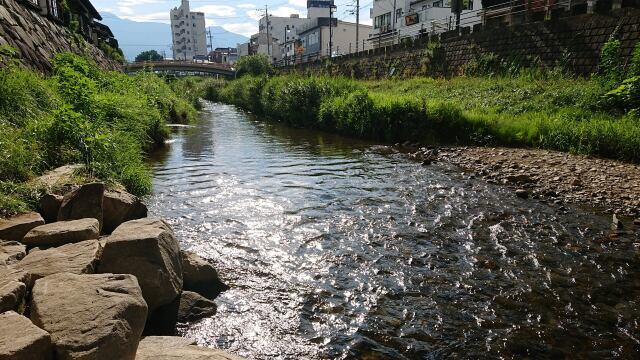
(338, 248)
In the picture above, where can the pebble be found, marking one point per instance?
(521, 193)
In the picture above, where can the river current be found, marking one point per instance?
(336, 248)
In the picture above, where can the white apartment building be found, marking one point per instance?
(315, 39)
(396, 19)
(189, 33)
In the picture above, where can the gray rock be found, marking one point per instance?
(63, 232)
(13, 288)
(59, 176)
(15, 228)
(21, 340)
(84, 202)
(173, 347)
(147, 249)
(98, 316)
(11, 252)
(50, 206)
(77, 258)
(200, 276)
(194, 306)
(120, 207)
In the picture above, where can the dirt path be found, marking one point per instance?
(551, 176)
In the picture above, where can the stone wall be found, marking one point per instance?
(38, 38)
(573, 42)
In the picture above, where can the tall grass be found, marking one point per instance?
(553, 112)
(105, 120)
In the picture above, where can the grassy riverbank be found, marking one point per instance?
(551, 111)
(80, 114)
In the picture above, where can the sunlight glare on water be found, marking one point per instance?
(336, 248)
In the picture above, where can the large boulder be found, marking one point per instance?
(77, 258)
(99, 316)
(63, 232)
(148, 249)
(13, 288)
(50, 206)
(120, 207)
(21, 340)
(200, 276)
(173, 347)
(11, 252)
(15, 228)
(84, 202)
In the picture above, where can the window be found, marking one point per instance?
(398, 13)
(382, 21)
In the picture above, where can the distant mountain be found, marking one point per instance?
(135, 37)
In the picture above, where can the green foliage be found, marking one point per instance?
(111, 52)
(253, 65)
(149, 55)
(626, 96)
(105, 120)
(550, 110)
(610, 71)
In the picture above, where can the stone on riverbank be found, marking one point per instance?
(173, 347)
(11, 252)
(148, 249)
(63, 232)
(50, 206)
(77, 258)
(15, 228)
(20, 339)
(13, 288)
(120, 207)
(200, 276)
(194, 306)
(84, 202)
(97, 316)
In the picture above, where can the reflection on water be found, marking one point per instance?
(340, 249)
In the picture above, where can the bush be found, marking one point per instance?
(253, 65)
(610, 72)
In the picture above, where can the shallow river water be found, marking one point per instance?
(336, 248)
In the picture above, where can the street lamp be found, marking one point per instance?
(332, 8)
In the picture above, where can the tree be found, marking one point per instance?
(149, 55)
(254, 65)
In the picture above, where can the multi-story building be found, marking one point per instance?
(188, 32)
(396, 19)
(308, 37)
(226, 55)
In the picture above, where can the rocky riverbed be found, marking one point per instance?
(550, 176)
(99, 280)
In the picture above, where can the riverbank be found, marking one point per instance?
(81, 114)
(553, 177)
(549, 111)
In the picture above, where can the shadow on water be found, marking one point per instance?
(337, 248)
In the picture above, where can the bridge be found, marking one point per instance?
(182, 68)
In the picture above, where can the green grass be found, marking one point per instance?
(80, 114)
(545, 110)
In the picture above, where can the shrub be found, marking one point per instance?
(634, 66)
(610, 71)
(253, 65)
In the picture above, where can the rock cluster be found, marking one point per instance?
(68, 293)
(555, 177)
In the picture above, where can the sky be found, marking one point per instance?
(240, 16)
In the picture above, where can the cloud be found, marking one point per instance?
(246, 6)
(298, 3)
(216, 10)
(162, 17)
(246, 29)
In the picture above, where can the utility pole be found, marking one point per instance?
(357, 24)
(331, 7)
(210, 39)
